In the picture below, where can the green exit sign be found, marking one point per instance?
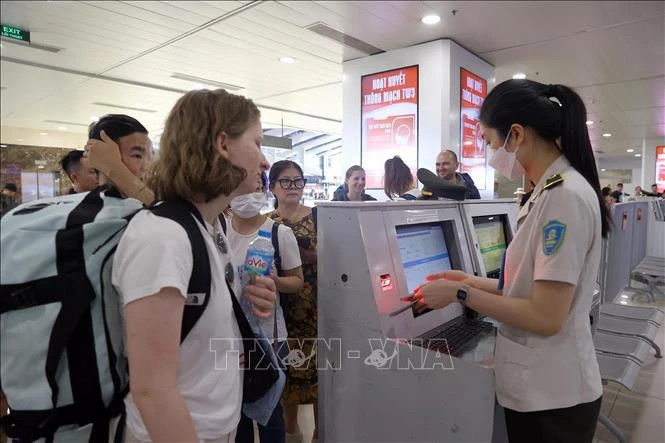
(15, 34)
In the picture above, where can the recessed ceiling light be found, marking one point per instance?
(603, 170)
(431, 19)
(287, 60)
(44, 133)
(589, 122)
(519, 76)
(607, 134)
(638, 155)
(62, 128)
(630, 150)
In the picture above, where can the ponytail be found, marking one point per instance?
(576, 145)
(529, 103)
(397, 179)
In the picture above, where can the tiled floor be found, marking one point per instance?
(640, 413)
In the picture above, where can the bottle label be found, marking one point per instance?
(258, 263)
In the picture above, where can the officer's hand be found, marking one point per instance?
(438, 294)
(261, 294)
(452, 275)
(104, 154)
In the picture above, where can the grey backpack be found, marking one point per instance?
(63, 366)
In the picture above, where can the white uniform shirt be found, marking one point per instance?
(155, 253)
(559, 240)
(289, 254)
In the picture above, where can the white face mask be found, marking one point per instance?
(248, 205)
(506, 163)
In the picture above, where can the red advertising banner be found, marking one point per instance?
(389, 121)
(660, 168)
(473, 91)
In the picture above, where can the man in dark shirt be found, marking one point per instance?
(618, 194)
(447, 164)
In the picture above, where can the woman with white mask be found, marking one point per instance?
(547, 376)
(244, 223)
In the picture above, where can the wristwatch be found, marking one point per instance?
(463, 295)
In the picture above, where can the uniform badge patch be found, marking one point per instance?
(554, 233)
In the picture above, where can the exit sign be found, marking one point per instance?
(12, 33)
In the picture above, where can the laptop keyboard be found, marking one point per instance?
(457, 335)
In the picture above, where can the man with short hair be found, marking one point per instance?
(120, 149)
(618, 194)
(83, 176)
(8, 198)
(654, 191)
(447, 164)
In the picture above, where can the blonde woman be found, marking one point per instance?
(210, 152)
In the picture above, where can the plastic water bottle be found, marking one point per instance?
(260, 255)
(258, 262)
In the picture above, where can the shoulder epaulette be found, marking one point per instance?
(553, 181)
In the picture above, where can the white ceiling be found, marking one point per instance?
(613, 53)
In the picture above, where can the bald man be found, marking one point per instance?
(447, 164)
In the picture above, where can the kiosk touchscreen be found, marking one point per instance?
(489, 226)
(491, 235)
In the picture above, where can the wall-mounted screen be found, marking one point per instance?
(389, 121)
(660, 168)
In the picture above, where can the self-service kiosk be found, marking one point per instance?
(490, 227)
(387, 373)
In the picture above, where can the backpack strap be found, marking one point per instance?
(198, 290)
(314, 218)
(275, 244)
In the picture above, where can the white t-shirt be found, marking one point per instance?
(289, 253)
(155, 253)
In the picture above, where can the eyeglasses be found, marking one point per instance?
(286, 183)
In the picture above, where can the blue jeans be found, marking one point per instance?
(274, 431)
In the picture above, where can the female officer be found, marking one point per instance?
(547, 376)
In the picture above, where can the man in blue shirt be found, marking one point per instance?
(447, 164)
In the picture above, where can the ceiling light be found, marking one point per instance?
(199, 81)
(3, 146)
(519, 76)
(589, 122)
(130, 108)
(44, 133)
(638, 155)
(602, 170)
(607, 134)
(431, 19)
(287, 60)
(630, 150)
(62, 128)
